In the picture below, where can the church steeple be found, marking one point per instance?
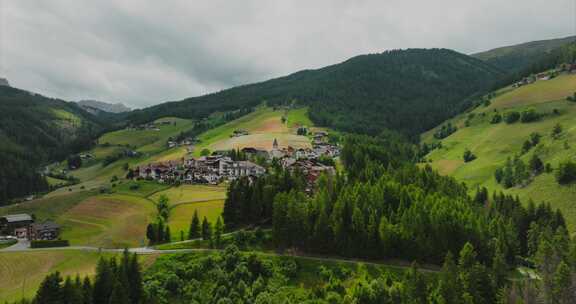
(275, 144)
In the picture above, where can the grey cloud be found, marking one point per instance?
(146, 52)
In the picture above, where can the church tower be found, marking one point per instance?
(275, 144)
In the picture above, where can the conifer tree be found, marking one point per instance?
(50, 290)
(206, 230)
(118, 294)
(194, 231)
(103, 282)
(218, 231)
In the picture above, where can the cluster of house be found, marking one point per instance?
(151, 125)
(188, 141)
(563, 68)
(205, 170)
(239, 132)
(23, 226)
(218, 167)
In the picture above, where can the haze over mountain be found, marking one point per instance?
(94, 106)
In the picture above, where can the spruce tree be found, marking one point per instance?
(118, 294)
(87, 291)
(103, 282)
(50, 290)
(206, 230)
(218, 231)
(135, 279)
(194, 231)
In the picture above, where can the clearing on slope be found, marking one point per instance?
(494, 143)
(263, 126)
(184, 200)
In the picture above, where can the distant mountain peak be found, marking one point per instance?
(95, 105)
(4, 82)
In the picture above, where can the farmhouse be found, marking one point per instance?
(43, 231)
(15, 224)
(23, 226)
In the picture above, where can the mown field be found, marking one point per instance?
(22, 272)
(494, 143)
(108, 221)
(184, 200)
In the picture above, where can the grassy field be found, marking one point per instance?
(148, 141)
(264, 125)
(108, 221)
(184, 200)
(21, 273)
(538, 92)
(494, 143)
(191, 194)
(181, 215)
(48, 208)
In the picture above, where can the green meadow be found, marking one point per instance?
(494, 143)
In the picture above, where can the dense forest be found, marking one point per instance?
(518, 58)
(405, 90)
(35, 129)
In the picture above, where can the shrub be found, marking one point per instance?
(512, 117)
(469, 156)
(566, 173)
(497, 118)
(49, 243)
(530, 115)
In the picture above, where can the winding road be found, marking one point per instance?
(23, 246)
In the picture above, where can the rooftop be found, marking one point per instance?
(11, 218)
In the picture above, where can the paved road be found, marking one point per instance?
(23, 247)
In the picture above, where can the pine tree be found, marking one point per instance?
(118, 294)
(103, 282)
(194, 231)
(206, 230)
(135, 279)
(50, 290)
(562, 284)
(449, 286)
(71, 293)
(87, 291)
(218, 231)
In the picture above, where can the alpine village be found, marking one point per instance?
(412, 175)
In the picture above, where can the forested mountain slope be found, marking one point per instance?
(516, 58)
(35, 129)
(406, 90)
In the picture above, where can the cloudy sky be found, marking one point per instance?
(146, 52)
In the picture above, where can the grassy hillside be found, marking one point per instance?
(494, 143)
(109, 221)
(22, 272)
(184, 200)
(516, 58)
(406, 90)
(263, 125)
